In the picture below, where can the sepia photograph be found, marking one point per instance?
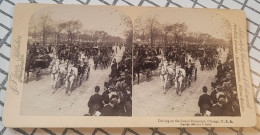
(125, 66)
(183, 65)
(78, 62)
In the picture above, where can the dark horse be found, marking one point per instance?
(145, 66)
(35, 64)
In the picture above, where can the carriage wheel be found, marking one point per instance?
(68, 88)
(184, 85)
(88, 74)
(148, 76)
(38, 76)
(76, 83)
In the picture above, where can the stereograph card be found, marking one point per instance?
(112, 66)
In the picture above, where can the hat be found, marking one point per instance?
(205, 89)
(97, 88)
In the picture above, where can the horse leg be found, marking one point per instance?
(162, 81)
(56, 80)
(165, 83)
(27, 76)
(67, 84)
(71, 83)
(178, 87)
(52, 81)
(88, 74)
(170, 82)
(138, 77)
(70, 87)
(147, 75)
(181, 87)
(54, 86)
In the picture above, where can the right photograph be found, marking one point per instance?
(183, 64)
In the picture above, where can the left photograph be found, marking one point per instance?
(78, 63)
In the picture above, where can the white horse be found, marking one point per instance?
(171, 75)
(164, 75)
(181, 74)
(71, 76)
(54, 73)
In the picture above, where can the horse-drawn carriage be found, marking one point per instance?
(36, 64)
(72, 76)
(179, 77)
(145, 66)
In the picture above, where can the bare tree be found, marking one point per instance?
(167, 28)
(139, 29)
(45, 25)
(72, 27)
(60, 28)
(128, 31)
(152, 25)
(179, 30)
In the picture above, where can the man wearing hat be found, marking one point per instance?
(95, 102)
(217, 109)
(204, 101)
(114, 69)
(107, 110)
(219, 69)
(128, 77)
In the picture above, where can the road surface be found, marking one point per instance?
(149, 98)
(37, 97)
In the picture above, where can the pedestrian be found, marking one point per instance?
(213, 95)
(127, 110)
(217, 109)
(107, 110)
(204, 101)
(95, 102)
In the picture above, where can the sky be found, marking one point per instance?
(109, 20)
(92, 18)
(197, 20)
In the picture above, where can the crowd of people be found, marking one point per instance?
(116, 99)
(189, 57)
(207, 54)
(70, 65)
(223, 99)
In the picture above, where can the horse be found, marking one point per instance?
(164, 75)
(61, 75)
(55, 74)
(180, 78)
(71, 79)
